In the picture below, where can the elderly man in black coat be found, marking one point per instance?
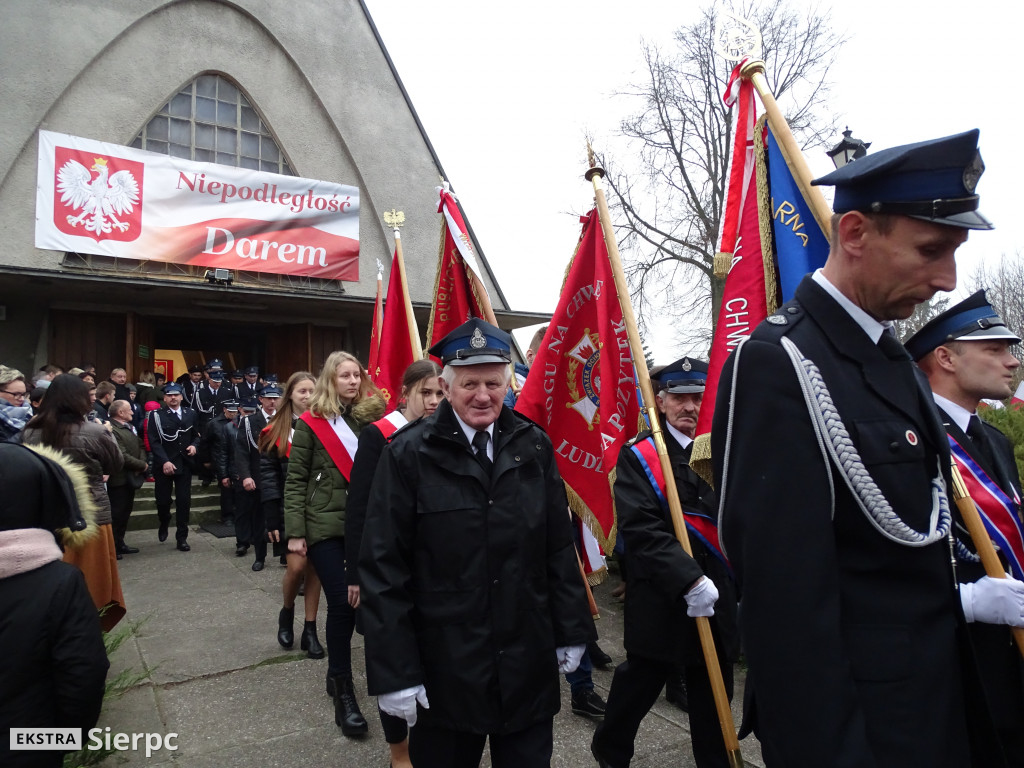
(472, 598)
(667, 587)
(832, 466)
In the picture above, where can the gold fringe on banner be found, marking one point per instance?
(700, 459)
(582, 511)
(765, 214)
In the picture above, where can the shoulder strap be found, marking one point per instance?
(337, 438)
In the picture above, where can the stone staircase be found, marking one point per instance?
(205, 506)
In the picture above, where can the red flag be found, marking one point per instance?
(1018, 398)
(744, 301)
(581, 388)
(458, 291)
(378, 316)
(396, 353)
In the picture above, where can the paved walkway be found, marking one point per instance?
(236, 698)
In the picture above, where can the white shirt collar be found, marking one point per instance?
(470, 433)
(959, 415)
(176, 412)
(267, 416)
(871, 327)
(682, 439)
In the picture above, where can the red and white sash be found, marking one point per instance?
(391, 424)
(337, 438)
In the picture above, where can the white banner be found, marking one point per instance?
(93, 197)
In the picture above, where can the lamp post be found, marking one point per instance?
(848, 150)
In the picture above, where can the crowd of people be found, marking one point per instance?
(875, 630)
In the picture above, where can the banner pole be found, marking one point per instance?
(414, 330)
(980, 537)
(594, 174)
(753, 70)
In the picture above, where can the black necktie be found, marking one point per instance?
(480, 444)
(891, 346)
(976, 431)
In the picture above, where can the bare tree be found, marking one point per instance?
(921, 315)
(1004, 286)
(669, 205)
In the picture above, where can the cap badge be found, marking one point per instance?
(477, 340)
(973, 172)
(686, 365)
(777, 319)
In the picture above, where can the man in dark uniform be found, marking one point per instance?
(247, 406)
(174, 440)
(190, 385)
(220, 439)
(250, 385)
(965, 352)
(831, 466)
(237, 380)
(250, 525)
(211, 396)
(668, 587)
(471, 593)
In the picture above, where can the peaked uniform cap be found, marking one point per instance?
(973, 319)
(686, 375)
(172, 389)
(475, 342)
(931, 180)
(271, 390)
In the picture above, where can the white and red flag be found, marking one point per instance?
(1018, 397)
(459, 292)
(581, 388)
(108, 199)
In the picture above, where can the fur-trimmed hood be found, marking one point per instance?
(83, 494)
(369, 409)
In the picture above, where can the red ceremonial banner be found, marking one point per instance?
(455, 301)
(378, 318)
(395, 351)
(581, 388)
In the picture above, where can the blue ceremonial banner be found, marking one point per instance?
(800, 245)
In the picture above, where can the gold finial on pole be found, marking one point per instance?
(394, 219)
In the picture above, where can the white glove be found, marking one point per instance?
(403, 703)
(700, 600)
(569, 657)
(994, 601)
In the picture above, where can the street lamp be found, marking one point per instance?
(848, 150)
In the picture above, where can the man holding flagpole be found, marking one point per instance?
(471, 595)
(965, 353)
(668, 587)
(832, 466)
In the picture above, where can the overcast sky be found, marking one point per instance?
(507, 92)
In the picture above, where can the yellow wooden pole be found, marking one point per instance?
(707, 642)
(986, 551)
(754, 71)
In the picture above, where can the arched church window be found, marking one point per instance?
(213, 121)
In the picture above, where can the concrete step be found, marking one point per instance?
(205, 507)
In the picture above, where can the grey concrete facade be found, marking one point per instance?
(314, 70)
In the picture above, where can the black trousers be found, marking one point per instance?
(250, 527)
(431, 747)
(122, 498)
(182, 485)
(227, 501)
(396, 730)
(636, 685)
(328, 557)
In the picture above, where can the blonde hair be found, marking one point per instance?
(326, 402)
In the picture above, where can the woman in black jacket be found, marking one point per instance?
(275, 444)
(421, 393)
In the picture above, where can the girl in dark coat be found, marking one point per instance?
(275, 445)
(54, 663)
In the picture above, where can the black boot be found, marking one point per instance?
(346, 708)
(285, 633)
(309, 642)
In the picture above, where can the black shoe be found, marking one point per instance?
(309, 642)
(257, 565)
(183, 546)
(588, 704)
(346, 708)
(241, 549)
(598, 657)
(124, 549)
(597, 756)
(228, 521)
(161, 533)
(284, 560)
(120, 556)
(676, 692)
(285, 633)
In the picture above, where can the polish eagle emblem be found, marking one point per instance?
(101, 199)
